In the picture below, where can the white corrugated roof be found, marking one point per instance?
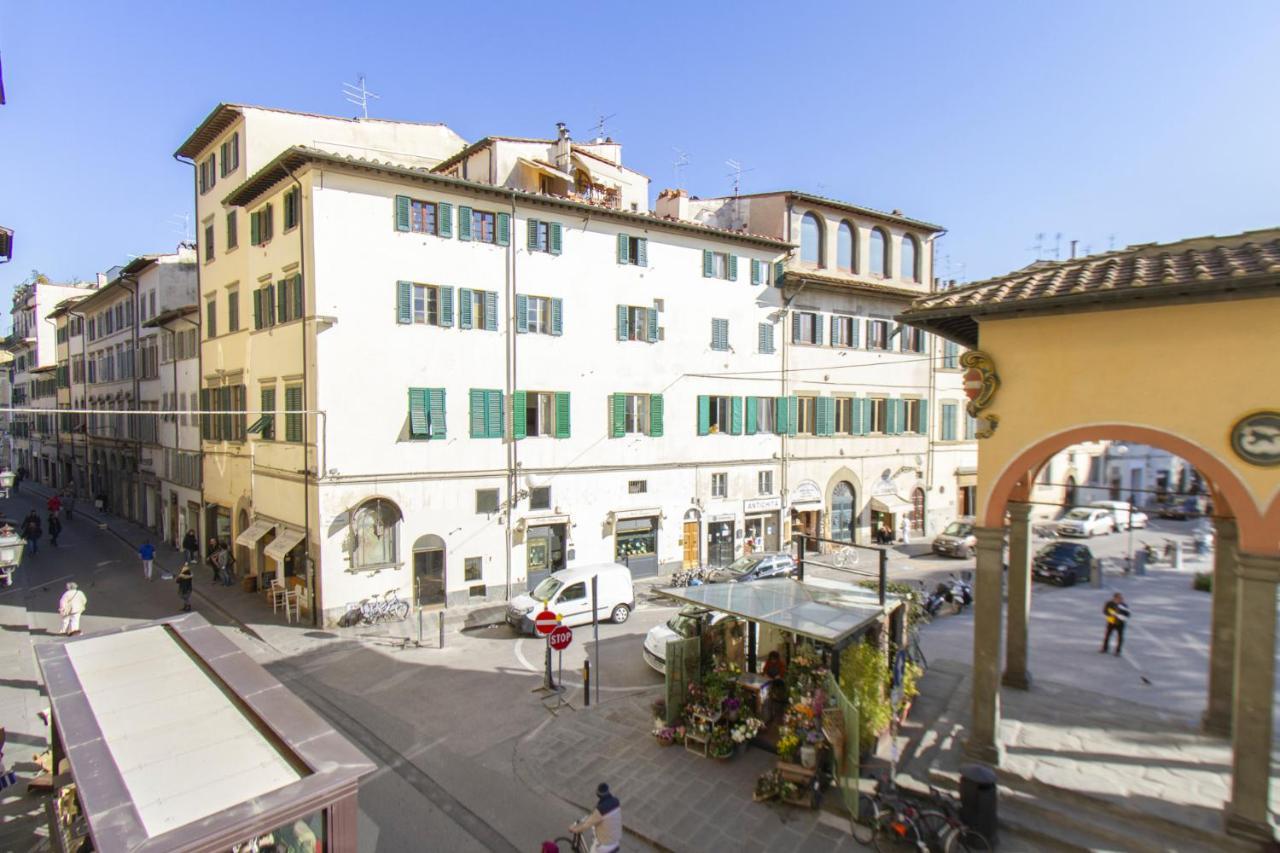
(183, 748)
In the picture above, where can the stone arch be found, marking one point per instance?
(844, 474)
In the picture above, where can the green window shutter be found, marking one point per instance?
(795, 327)
(255, 228)
(859, 417)
(922, 419)
(522, 313)
(826, 416)
(793, 415)
(282, 300)
(402, 213)
(652, 331)
(555, 237)
(704, 414)
(446, 306)
(490, 311)
(557, 317)
(655, 415)
(464, 308)
(478, 415)
(735, 416)
(642, 251)
(617, 415)
(948, 422)
(403, 302)
(270, 299)
(891, 417)
(624, 248)
(857, 328)
(708, 264)
(504, 229)
(733, 267)
(817, 329)
(297, 295)
(269, 413)
(622, 323)
(519, 417)
(755, 271)
(435, 411)
(779, 273)
(464, 222)
(835, 331)
(753, 405)
(444, 219)
(780, 415)
(418, 418)
(493, 414)
(257, 309)
(531, 235)
(293, 422)
(562, 414)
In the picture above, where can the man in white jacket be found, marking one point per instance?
(606, 819)
(70, 606)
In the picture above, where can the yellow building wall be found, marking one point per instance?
(1191, 371)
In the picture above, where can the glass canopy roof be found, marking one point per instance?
(826, 613)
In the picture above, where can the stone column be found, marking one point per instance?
(988, 594)
(1246, 815)
(1222, 635)
(1015, 666)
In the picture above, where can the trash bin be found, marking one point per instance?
(978, 799)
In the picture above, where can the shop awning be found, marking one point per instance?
(285, 539)
(824, 614)
(251, 534)
(890, 504)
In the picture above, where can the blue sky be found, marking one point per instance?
(1101, 121)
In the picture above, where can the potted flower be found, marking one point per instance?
(659, 708)
(666, 735)
(788, 745)
(721, 744)
(731, 708)
(809, 749)
(746, 729)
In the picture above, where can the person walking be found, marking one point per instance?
(1117, 613)
(228, 565)
(148, 554)
(69, 505)
(605, 819)
(190, 546)
(70, 607)
(211, 558)
(55, 504)
(184, 586)
(32, 531)
(55, 528)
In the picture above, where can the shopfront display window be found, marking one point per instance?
(304, 835)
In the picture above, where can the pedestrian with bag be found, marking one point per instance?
(605, 819)
(228, 566)
(32, 531)
(54, 504)
(211, 558)
(184, 586)
(190, 546)
(70, 607)
(1117, 613)
(55, 529)
(147, 552)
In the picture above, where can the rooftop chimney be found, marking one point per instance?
(102, 279)
(563, 147)
(673, 204)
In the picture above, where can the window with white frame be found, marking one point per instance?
(720, 485)
(375, 536)
(764, 483)
(877, 334)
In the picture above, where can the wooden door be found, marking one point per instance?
(690, 544)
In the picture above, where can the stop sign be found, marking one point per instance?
(560, 638)
(546, 622)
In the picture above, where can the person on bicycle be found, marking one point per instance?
(606, 820)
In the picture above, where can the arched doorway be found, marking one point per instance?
(916, 517)
(689, 539)
(843, 512)
(1069, 493)
(429, 571)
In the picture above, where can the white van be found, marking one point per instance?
(567, 593)
(1123, 513)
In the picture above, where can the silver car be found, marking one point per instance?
(754, 567)
(958, 540)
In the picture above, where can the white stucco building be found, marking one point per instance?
(448, 381)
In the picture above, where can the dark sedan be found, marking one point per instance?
(754, 567)
(1064, 563)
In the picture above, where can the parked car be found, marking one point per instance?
(1086, 521)
(753, 567)
(1064, 563)
(567, 593)
(690, 621)
(1183, 508)
(1125, 515)
(957, 540)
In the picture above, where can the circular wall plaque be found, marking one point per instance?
(1256, 438)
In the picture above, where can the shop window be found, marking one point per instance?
(719, 485)
(473, 569)
(375, 534)
(637, 487)
(540, 497)
(486, 501)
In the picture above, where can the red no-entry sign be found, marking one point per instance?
(560, 638)
(546, 622)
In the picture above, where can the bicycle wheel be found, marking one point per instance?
(897, 833)
(865, 819)
(966, 840)
(570, 844)
(935, 830)
(400, 610)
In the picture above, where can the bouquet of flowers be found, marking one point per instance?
(746, 728)
(788, 743)
(666, 735)
(721, 744)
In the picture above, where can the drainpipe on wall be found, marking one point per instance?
(84, 404)
(57, 428)
(202, 529)
(137, 393)
(512, 450)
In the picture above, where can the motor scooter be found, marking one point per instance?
(960, 592)
(934, 601)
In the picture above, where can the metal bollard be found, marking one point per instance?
(442, 629)
(586, 682)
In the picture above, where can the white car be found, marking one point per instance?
(689, 622)
(1086, 521)
(1123, 512)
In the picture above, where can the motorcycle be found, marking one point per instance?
(934, 601)
(959, 592)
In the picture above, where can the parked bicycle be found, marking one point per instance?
(389, 607)
(944, 831)
(892, 821)
(695, 576)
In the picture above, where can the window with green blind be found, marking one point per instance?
(540, 414)
(477, 309)
(719, 415)
(539, 315)
(719, 334)
(764, 339)
(423, 217)
(426, 413)
(268, 418)
(637, 324)
(633, 250)
(948, 422)
(543, 236)
(950, 355)
(261, 225)
(427, 304)
(760, 272)
(482, 226)
(293, 413)
(719, 265)
(635, 414)
(486, 413)
(292, 208)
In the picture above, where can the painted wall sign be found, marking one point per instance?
(980, 384)
(806, 491)
(761, 504)
(1256, 438)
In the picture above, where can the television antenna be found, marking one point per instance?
(1038, 246)
(599, 125)
(358, 93)
(682, 160)
(1057, 246)
(181, 223)
(736, 174)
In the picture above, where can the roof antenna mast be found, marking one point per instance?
(599, 127)
(357, 93)
(682, 160)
